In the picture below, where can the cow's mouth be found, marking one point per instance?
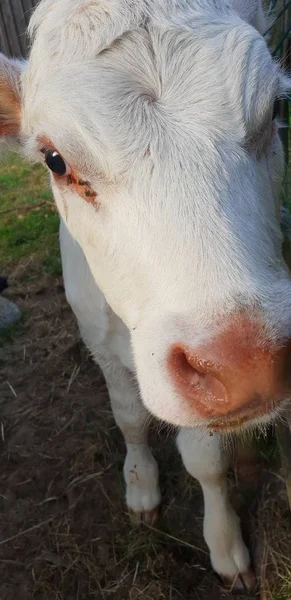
(246, 416)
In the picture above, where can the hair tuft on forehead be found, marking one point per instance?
(75, 30)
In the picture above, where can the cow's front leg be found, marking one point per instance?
(205, 459)
(101, 331)
(140, 468)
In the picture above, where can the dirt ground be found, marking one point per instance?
(64, 531)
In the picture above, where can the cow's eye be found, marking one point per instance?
(275, 109)
(55, 162)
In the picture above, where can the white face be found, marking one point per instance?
(167, 169)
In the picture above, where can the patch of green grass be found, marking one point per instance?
(29, 223)
(52, 262)
(26, 236)
(20, 181)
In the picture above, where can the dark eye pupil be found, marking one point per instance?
(55, 162)
(276, 109)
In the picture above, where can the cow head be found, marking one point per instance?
(155, 119)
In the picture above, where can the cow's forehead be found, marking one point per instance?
(70, 31)
(84, 28)
(151, 79)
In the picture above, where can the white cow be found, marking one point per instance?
(155, 118)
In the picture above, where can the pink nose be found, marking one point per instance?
(237, 376)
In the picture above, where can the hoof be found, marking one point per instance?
(146, 517)
(243, 582)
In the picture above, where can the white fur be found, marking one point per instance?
(204, 455)
(162, 123)
(108, 339)
(165, 107)
(206, 459)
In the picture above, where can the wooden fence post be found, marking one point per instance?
(14, 18)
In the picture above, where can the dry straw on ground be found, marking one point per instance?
(64, 528)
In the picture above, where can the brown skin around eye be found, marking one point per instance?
(81, 187)
(72, 181)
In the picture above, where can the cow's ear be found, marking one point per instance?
(10, 103)
(252, 11)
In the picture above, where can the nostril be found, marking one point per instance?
(195, 376)
(182, 368)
